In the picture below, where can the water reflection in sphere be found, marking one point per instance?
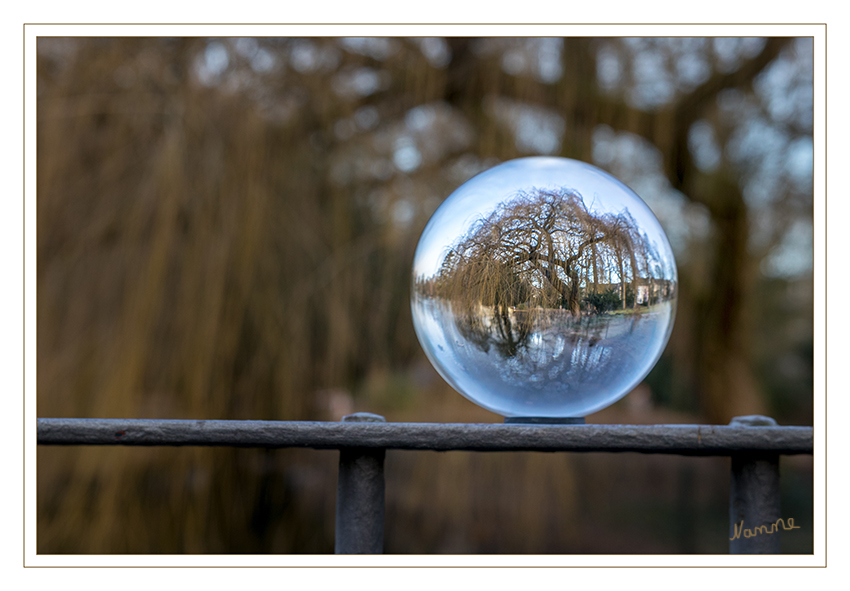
(543, 287)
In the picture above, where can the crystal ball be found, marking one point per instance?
(543, 287)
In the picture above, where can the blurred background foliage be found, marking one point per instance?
(225, 231)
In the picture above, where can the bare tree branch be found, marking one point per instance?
(668, 128)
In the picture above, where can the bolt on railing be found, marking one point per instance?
(754, 444)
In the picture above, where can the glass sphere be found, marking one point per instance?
(543, 287)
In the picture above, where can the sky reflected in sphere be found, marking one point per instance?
(543, 287)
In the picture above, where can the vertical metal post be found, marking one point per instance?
(360, 496)
(754, 497)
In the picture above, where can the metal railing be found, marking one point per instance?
(754, 444)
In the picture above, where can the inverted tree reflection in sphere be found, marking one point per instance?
(543, 287)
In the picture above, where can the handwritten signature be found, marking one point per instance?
(762, 529)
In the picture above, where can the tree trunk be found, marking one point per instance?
(723, 323)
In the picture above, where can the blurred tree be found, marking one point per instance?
(225, 230)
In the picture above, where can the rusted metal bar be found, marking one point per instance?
(695, 440)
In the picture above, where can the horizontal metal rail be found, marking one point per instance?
(753, 442)
(691, 440)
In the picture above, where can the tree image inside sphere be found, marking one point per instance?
(555, 299)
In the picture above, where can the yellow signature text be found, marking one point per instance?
(762, 529)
